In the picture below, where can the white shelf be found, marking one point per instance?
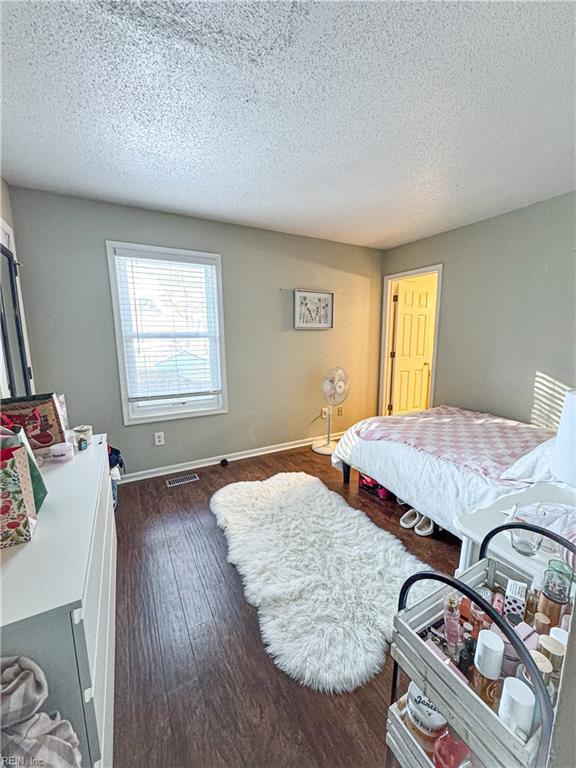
(399, 738)
(474, 722)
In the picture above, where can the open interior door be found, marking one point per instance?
(16, 376)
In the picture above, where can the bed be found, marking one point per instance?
(446, 461)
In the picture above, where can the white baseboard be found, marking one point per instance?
(132, 477)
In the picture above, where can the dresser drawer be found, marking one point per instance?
(99, 668)
(96, 573)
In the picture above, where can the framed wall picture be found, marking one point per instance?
(313, 310)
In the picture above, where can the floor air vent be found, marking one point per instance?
(182, 480)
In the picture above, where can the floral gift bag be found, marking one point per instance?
(12, 439)
(17, 508)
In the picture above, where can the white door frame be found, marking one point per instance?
(384, 356)
(12, 246)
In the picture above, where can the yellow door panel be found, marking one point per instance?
(420, 350)
(403, 384)
(417, 393)
(414, 342)
(405, 335)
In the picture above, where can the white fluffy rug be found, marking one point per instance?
(324, 578)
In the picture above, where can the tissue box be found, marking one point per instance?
(515, 598)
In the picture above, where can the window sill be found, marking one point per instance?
(130, 421)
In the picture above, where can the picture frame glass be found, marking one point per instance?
(313, 310)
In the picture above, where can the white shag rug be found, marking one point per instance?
(324, 578)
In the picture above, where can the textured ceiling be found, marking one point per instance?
(373, 123)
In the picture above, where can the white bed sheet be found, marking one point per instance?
(435, 487)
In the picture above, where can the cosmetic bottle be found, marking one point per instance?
(513, 619)
(452, 628)
(554, 651)
(478, 619)
(528, 636)
(554, 596)
(498, 602)
(544, 667)
(561, 567)
(559, 634)
(465, 605)
(541, 623)
(517, 705)
(423, 719)
(486, 593)
(466, 658)
(451, 752)
(532, 599)
(567, 615)
(487, 668)
(467, 630)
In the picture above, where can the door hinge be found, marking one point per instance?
(395, 297)
(389, 407)
(393, 354)
(30, 374)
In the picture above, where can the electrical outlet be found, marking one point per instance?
(324, 413)
(340, 410)
(159, 439)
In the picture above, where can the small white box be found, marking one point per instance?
(515, 598)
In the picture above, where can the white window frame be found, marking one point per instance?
(193, 407)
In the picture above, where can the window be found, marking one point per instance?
(169, 331)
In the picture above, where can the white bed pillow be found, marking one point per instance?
(533, 467)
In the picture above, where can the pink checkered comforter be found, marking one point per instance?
(483, 443)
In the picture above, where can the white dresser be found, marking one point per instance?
(58, 598)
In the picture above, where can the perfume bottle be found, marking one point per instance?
(452, 628)
(478, 619)
(487, 668)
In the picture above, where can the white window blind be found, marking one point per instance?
(168, 323)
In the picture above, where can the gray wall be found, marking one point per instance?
(507, 316)
(273, 371)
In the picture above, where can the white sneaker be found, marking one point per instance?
(424, 527)
(410, 519)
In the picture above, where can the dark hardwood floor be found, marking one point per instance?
(194, 685)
